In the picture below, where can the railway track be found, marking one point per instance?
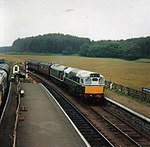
(127, 133)
(133, 118)
(117, 131)
(90, 133)
(7, 119)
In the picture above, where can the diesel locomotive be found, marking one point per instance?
(82, 83)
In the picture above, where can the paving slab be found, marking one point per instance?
(43, 123)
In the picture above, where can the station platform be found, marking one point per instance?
(44, 124)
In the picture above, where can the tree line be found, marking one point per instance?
(50, 43)
(5, 49)
(129, 49)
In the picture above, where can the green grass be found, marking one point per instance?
(134, 74)
(143, 60)
(29, 53)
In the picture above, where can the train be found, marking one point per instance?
(4, 81)
(82, 83)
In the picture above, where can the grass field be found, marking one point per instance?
(134, 74)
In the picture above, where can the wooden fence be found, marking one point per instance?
(140, 95)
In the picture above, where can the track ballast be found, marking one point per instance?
(90, 133)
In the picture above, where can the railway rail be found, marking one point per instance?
(116, 130)
(133, 118)
(90, 133)
(7, 119)
(127, 133)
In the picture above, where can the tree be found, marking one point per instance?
(84, 49)
(68, 51)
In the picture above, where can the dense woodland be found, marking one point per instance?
(5, 49)
(130, 49)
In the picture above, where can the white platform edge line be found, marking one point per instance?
(128, 109)
(85, 141)
(5, 104)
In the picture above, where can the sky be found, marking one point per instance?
(95, 19)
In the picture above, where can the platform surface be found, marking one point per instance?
(44, 124)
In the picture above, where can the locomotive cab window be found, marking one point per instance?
(102, 81)
(88, 81)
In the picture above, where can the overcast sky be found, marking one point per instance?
(95, 19)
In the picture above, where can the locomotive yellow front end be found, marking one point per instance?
(94, 89)
(95, 86)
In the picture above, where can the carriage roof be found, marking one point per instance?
(45, 63)
(3, 74)
(33, 61)
(5, 67)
